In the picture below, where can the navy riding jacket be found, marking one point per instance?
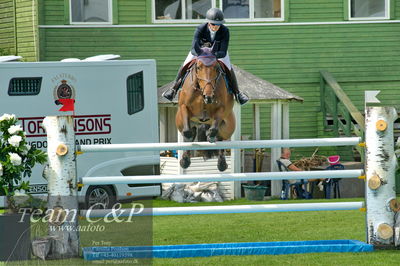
(202, 35)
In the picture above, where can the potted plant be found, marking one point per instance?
(17, 159)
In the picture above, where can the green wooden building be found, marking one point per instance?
(287, 42)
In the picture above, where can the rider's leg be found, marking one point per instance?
(170, 93)
(240, 96)
(232, 81)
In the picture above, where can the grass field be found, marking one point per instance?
(258, 227)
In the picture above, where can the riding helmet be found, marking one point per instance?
(215, 16)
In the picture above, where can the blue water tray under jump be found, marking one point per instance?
(223, 249)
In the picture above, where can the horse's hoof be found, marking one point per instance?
(213, 132)
(188, 135)
(185, 162)
(194, 133)
(212, 135)
(222, 165)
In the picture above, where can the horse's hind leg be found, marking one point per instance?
(202, 136)
(202, 132)
(185, 160)
(222, 165)
(188, 133)
(227, 127)
(213, 131)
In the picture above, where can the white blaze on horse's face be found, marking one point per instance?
(207, 79)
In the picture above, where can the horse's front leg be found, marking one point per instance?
(183, 122)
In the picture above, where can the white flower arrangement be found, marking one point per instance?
(14, 129)
(17, 158)
(6, 117)
(15, 140)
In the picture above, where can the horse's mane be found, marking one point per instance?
(206, 56)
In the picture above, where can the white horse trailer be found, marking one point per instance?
(115, 102)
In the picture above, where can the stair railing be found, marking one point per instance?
(345, 115)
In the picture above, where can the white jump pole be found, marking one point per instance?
(244, 144)
(380, 176)
(334, 206)
(104, 180)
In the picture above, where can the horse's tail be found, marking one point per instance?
(201, 136)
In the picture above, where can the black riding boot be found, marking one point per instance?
(170, 93)
(240, 96)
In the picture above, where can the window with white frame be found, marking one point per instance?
(252, 9)
(91, 11)
(369, 9)
(170, 10)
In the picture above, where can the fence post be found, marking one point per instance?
(380, 191)
(62, 186)
(335, 115)
(322, 99)
(347, 127)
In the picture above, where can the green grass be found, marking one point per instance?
(257, 227)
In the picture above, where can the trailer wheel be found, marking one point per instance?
(103, 196)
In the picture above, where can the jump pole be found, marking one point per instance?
(244, 144)
(150, 179)
(332, 206)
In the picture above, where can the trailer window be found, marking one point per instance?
(135, 93)
(24, 86)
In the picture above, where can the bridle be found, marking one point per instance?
(208, 81)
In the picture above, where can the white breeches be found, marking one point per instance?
(226, 60)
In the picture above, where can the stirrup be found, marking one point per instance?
(242, 98)
(169, 94)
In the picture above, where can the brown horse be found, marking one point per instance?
(205, 105)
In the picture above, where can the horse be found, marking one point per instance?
(205, 106)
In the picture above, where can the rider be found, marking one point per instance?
(217, 35)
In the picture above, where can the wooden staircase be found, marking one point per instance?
(340, 115)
